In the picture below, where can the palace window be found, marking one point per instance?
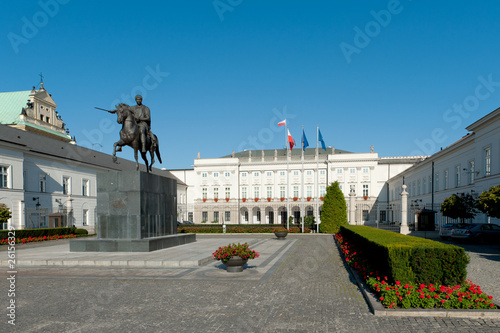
(487, 161)
(282, 191)
(216, 216)
(227, 216)
(85, 217)
(309, 173)
(256, 174)
(365, 189)
(457, 176)
(243, 192)
(365, 170)
(256, 192)
(243, 174)
(216, 175)
(282, 173)
(445, 179)
(228, 192)
(216, 193)
(338, 170)
(85, 187)
(204, 175)
(352, 170)
(309, 191)
(227, 174)
(204, 194)
(269, 192)
(204, 216)
(322, 172)
(296, 191)
(269, 174)
(471, 172)
(43, 182)
(322, 190)
(66, 185)
(4, 176)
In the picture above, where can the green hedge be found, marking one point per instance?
(235, 229)
(409, 259)
(25, 233)
(81, 232)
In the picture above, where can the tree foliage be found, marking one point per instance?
(459, 206)
(5, 213)
(334, 213)
(489, 202)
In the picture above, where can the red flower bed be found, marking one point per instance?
(414, 295)
(36, 239)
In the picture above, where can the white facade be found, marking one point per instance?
(251, 187)
(470, 165)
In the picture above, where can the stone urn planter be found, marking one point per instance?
(235, 264)
(281, 234)
(234, 256)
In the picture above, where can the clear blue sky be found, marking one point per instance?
(404, 76)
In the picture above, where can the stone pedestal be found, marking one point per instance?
(136, 212)
(404, 212)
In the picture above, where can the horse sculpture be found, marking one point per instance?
(130, 136)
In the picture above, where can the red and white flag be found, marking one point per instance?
(291, 141)
(282, 123)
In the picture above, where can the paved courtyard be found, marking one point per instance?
(297, 285)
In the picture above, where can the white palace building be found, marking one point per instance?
(250, 187)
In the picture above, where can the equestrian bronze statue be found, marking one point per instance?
(136, 132)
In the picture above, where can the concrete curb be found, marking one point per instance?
(379, 310)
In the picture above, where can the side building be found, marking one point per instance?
(250, 187)
(471, 165)
(46, 179)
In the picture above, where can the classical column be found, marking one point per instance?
(352, 206)
(404, 212)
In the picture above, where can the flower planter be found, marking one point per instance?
(321, 198)
(281, 234)
(216, 199)
(227, 199)
(269, 199)
(243, 199)
(256, 199)
(365, 197)
(204, 199)
(308, 198)
(282, 199)
(235, 264)
(295, 198)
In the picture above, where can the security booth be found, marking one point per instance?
(425, 220)
(57, 220)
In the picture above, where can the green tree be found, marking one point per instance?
(5, 214)
(334, 212)
(489, 202)
(459, 206)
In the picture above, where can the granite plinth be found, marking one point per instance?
(136, 212)
(130, 245)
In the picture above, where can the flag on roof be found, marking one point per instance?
(304, 141)
(282, 123)
(320, 139)
(291, 141)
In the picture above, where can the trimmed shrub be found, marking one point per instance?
(25, 233)
(409, 259)
(334, 212)
(81, 232)
(236, 229)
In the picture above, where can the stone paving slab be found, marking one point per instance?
(307, 289)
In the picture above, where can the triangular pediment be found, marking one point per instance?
(44, 96)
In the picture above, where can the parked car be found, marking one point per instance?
(187, 222)
(477, 232)
(447, 229)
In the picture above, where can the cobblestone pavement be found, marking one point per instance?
(306, 290)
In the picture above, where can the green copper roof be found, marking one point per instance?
(11, 105)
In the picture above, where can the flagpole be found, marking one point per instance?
(302, 182)
(287, 182)
(317, 179)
